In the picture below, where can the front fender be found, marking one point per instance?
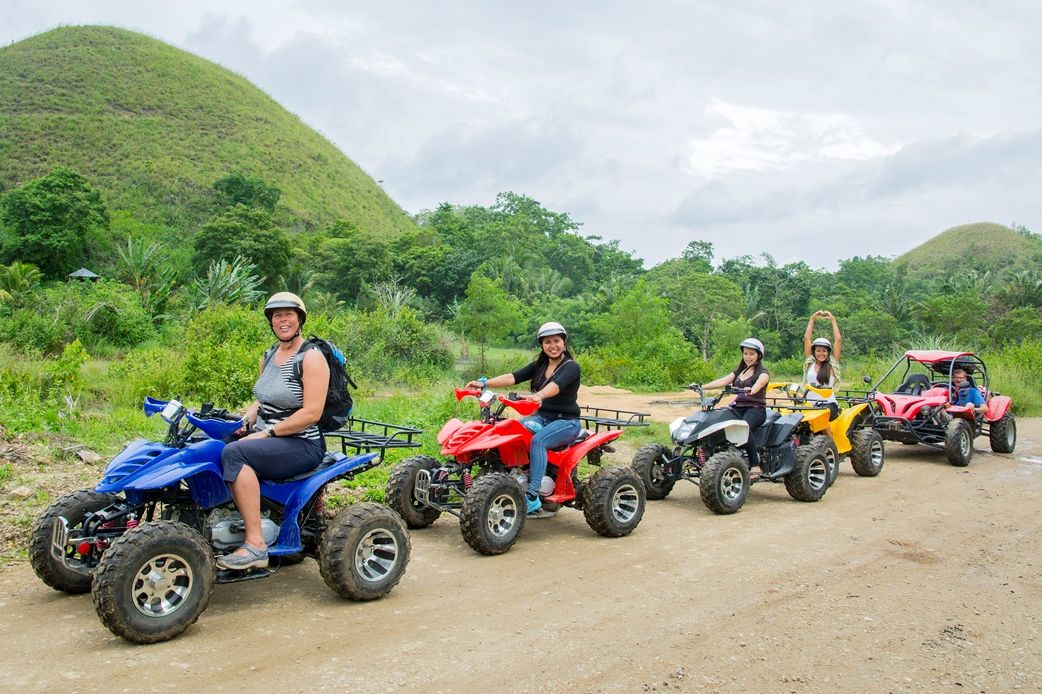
(844, 425)
(199, 465)
(998, 406)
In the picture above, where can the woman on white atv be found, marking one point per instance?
(750, 379)
(555, 379)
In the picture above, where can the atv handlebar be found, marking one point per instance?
(215, 423)
(486, 396)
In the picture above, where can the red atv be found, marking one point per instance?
(484, 479)
(922, 409)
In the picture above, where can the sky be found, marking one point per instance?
(813, 131)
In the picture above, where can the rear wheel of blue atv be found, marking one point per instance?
(73, 508)
(650, 464)
(401, 491)
(958, 442)
(154, 582)
(724, 483)
(493, 513)
(613, 501)
(365, 550)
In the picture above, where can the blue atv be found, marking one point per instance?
(144, 540)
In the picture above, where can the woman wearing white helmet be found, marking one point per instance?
(555, 379)
(286, 440)
(751, 402)
(822, 364)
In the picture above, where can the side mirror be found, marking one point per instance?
(867, 379)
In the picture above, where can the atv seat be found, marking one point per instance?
(583, 435)
(328, 460)
(915, 385)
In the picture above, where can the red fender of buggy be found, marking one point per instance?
(998, 406)
(568, 459)
(907, 406)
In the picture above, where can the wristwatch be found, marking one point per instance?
(270, 431)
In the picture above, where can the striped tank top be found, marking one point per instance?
(280, 394)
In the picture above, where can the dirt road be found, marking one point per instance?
(927, 577)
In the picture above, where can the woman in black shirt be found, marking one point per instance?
(555, 385)
(750, 405)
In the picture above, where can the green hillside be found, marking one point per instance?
(983, 246)
(152, 127)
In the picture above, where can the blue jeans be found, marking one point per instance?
(559, 432)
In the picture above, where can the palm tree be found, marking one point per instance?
(18, 281)
(393, 295)
(227, 283)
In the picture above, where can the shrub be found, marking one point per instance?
(99, 314)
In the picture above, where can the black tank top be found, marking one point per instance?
(745, 399)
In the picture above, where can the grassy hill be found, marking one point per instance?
(152, 127)
(982, 246)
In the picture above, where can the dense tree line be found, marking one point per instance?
(489, 273)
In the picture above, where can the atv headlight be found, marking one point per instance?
(680, 430)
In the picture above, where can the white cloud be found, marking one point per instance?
(807, 130)
(758, 139)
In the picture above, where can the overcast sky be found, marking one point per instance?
(812, 131)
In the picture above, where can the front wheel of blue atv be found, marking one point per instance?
(365, 550)
(154, 582)
(53, 571)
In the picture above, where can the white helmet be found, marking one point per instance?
(752, 343)
(821, 342)
(551, 328)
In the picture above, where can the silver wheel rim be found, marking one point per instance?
(1011, 434)
(964, 442)
(875, 454)
(502, 515)
(162, 585)
(625, 503)
(831, 462)
(731, 484)
(376, 555)
(818, 473)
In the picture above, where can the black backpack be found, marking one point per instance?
(338, 398)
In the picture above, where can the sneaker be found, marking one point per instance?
(534, 504)
(253, 559)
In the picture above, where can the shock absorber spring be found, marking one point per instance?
(467, 479)
(132, 522)
(701, 456)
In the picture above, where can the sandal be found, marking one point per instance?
(253, 559)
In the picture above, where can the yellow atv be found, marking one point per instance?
(838, 432)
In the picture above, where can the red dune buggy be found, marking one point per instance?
(924, 408)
